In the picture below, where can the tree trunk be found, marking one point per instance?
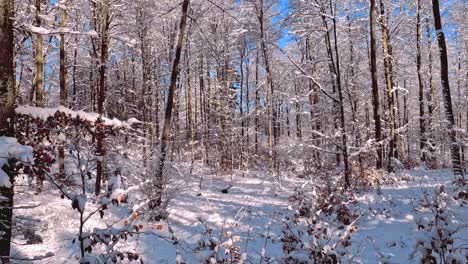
(341, 99)
(333, 74)
(298, 112)
(39, 74)
(375, 88)
(387, 53)
(7, 102)
(430, 94)
(39, 79)
(165, 137)
(63, 88)
(101, 170)
(454, 148)
(271, 111)
(422, 127)
(257, 102)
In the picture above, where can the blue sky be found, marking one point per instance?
(284, 9)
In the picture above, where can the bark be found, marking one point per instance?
(341, 99)
(165, 137)
(63, 70)
(422, 127)
(203, 112)
(190, 112)
(247, 97)
(39, 64)
(270, 88)
(388, 64)
(454, 148)
(142, 33)
(257, 102)
(101, 170)
(315, 116)
(7, 101)
(63, 88)
(298, 112)
(333, 73)
(375, 88)
(39, 79)
(430, 94)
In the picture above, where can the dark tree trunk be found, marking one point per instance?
(375, 88)
(454, 148)
(388, 66)
(39, 74)
(422, 121)
(101, 170)
(341, 99)
(63, 88)
(7, 101)
(165, 137)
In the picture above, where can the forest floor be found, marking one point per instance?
(248, 219)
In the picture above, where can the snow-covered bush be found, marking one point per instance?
(438, 230)
(318, 228)
(220, 248)
(47, 129)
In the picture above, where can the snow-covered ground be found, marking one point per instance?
(247, 219)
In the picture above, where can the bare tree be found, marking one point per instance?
(454, 148)
(7, 101)
(156, 201)
(422, 121)
(101, 170)
(375, 88)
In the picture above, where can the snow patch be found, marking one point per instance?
(11, 149)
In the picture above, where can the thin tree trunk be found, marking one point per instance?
(165, 138)
(422, 127)
(101, 170)
(333, 73)
(387, 53)
(375, 88)
(341, 99)
(257, 102)
(39, 74)
(190, 112)
(7, 102)
(247, 97)
(454, 148)
(298, 112)
(270, 89)
(63, 88)
(39, 79)
(430, 94)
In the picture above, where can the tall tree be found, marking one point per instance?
(444, 77)
(375, 88)
(156, 201)
(344, 144)
(101, 165)
(7, 102)
(388, 65)
(63, 81)
(39, 62)
(422, 120)
(271, 111)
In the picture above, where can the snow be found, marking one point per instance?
(387, 229)
(10, 148)
(249, 217)
(44, 113)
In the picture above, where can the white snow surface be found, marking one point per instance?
(10, 148)
(386, 231)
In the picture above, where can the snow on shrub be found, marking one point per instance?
(318, 228)
(439, 229)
